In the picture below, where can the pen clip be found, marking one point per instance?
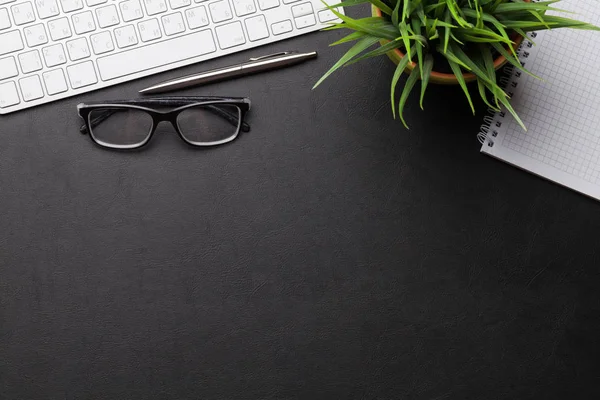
(282, 53)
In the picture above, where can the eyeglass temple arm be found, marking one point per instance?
(231, 118)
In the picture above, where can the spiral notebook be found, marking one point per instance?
(561, 113)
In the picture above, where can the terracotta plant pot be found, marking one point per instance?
(439, 77)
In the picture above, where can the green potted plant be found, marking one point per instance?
(446, 42)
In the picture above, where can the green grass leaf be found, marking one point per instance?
(506, 103)
(482, 88)
(508, 7)
(416, 6)
(447, 19)
(382, 6)
(477, 39)
(350, 38)
(485, 17)
(488, 62)
(438, 9)
(485, 33)
(523, 34)
(426, 72)
(539, 18)
(408, 87)
(358, 48)
(405, 38)
(405, 8)
(365, 26)
(436, 22)
(452, 57)
(456, 14)
(416, 25)
(513, 60)
(455, 39)
(395, 13)
(471, 64)
(381, 50)
(461, 80)
(377, 3)
(347, 3)
(399, 69)
(561, 22)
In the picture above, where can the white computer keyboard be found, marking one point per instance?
(53, 49)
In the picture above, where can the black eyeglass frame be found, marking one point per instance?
(180, 103)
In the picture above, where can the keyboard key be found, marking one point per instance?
(175, 4)
(126, 36)
(30, 61)
(4, 19)
(6, 1)
(230, 35)
(305, 21)
(196, 17)
(8, 95)
(35, 35)
(81, 75)
(289, 1)
(59, 29)
(257, 28)
(173, 24)
(154, 7)
(46, 8)
(78, 49)
(302, 9)
(282, 27)
(92, 3)
(102, 43)
(55, 82)
(131, 10)
(10, 42)
(23, 13)
(31, 88)
(54, 55)
(107, 16)
(220, 11)
(326, 16)
(149, 30)
(71, 5)
(84, 22)
(267, 4)
(144, 58)
(8, 68)
(244, 7)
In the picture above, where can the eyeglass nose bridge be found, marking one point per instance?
(164, 116)
(157, 121)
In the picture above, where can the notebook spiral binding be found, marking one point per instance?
(508, 82)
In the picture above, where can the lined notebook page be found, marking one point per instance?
(562, 113)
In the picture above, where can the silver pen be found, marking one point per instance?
(258, 64)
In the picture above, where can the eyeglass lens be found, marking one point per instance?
(120, 127)
(212, 124)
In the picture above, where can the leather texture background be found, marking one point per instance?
(327, 254)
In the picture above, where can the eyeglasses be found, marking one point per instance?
(199, 121)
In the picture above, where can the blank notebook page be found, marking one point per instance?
(561, 113)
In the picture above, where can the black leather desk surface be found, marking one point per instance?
(328, 254)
